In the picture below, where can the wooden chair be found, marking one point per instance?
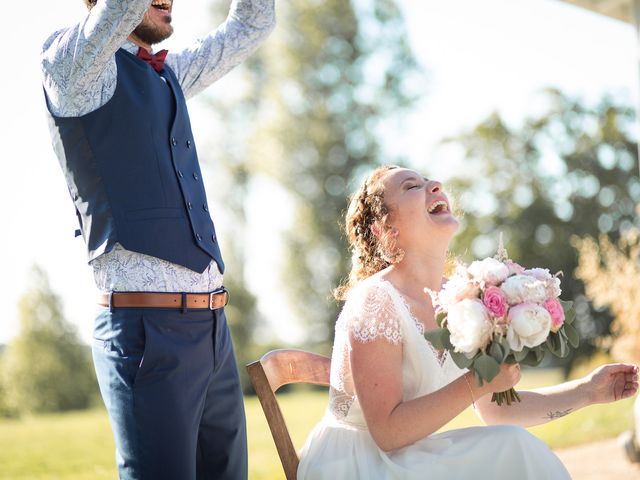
(272, 371)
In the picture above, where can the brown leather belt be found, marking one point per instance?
(192, 301)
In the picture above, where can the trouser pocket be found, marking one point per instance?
(119, 345)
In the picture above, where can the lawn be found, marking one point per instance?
(79, 445)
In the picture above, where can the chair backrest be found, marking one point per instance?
(278, 368)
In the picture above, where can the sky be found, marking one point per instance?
(481, 56)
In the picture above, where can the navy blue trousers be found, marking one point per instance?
(170, 384)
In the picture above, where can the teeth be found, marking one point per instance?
(439, 203)
(161, 3)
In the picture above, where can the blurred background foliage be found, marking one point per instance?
(611, 273)
(46, 368)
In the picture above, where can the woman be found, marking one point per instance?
(391, 391)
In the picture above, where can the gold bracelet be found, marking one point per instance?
(473, 400)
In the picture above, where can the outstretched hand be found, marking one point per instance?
(612, 382)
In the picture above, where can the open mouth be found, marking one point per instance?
(164, 5)
(438, 207)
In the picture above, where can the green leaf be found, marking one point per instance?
(572, 335)
(559, 342)
(505, 347)
(486, 366)
(440, 318)
(569, 312)
(519, 356)
(534, 357)
(495, 350)
(460, 359)
(553, 344)
(564, 348)
(439, 338)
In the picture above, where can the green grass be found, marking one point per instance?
(79, 445)
(73, 446)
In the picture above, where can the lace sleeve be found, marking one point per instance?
(372, 314)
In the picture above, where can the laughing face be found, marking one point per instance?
(156, 24)
(418, 207)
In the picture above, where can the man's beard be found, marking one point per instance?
(150, 34)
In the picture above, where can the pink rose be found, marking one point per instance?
(554, 307)
(496, 301)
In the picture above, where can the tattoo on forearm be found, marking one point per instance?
(558, 414)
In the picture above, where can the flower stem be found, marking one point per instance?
(509, 396)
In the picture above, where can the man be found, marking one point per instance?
(121, 131)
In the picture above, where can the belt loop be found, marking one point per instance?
(111, 302)
(184, 302)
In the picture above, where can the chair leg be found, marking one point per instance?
(275, 420)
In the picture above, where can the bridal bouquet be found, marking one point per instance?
(494, 311)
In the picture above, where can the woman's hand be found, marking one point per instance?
(508, 377)
(612, 382)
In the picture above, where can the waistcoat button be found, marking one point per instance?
(173, 142)
(205, 208)
(189, 205)
(180, 174)
(198, 237)
(188, 143)
(195, 176)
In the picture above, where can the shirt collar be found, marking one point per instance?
(130, 47)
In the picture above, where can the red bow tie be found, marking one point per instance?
(155, 60)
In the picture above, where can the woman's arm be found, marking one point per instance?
(376, 367)
(605, 384)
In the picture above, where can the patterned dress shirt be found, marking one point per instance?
(80, 76)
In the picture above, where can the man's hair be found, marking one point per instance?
(90, 3)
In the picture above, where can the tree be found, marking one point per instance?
(6, 410)
(46, 368)
(331, 76)
(611, 273)
(570, 171)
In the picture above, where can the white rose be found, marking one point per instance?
(529, 326)
(539, 273)
(469, 325)
(524, 288)
(490, 270)
(553, 287)
(456, 289)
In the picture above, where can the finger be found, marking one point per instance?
(629, 390)
(631, 377)
(614, 368)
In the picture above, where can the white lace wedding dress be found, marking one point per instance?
(341, 447)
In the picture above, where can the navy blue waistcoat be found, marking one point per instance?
(133, 173)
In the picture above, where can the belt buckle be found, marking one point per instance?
(211, 296)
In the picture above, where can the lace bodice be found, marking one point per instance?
(376, 310)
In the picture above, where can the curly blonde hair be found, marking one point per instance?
(90, 3)
(370, 252)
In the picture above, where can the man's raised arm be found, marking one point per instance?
(75, 59)
(249, 22)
